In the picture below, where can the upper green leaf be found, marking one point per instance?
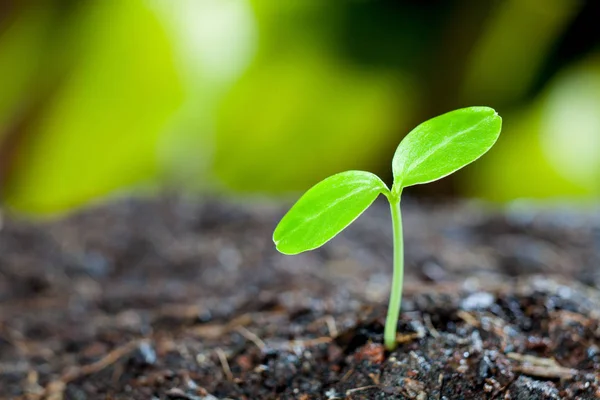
(444, 144)
(325, 210)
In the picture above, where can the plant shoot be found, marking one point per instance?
(433, 150)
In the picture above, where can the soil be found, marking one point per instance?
(177, 298)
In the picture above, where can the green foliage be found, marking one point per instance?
(434, 149)
(22, 46)
(552, 141)
(326, 209)
(299, 99)
(101, 131)
(314, 114)
(102, 96)
(444, 144)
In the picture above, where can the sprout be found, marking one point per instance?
(433, 150)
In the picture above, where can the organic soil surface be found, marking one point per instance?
(175, 298)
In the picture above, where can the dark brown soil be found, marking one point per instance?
(172, 299)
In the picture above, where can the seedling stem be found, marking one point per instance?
(431, 151)
(391, 322)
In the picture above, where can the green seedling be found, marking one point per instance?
(433, 150)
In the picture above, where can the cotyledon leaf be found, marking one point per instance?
(325, 210)
(444, 144)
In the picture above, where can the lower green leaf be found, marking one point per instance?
(325, 210)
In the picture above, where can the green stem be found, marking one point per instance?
(391, 322)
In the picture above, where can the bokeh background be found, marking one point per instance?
(267, 97)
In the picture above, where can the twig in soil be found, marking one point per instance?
(441, 382)
(180, 312)
(55, 389)
(331, 326)
(242, 320)
(360, 389)
(434, 332)
(541, 367)
(224, 363)
(329, 321)
(99, 365)
(568, 316)
(208, 331)
(533, 360)
(468, 318)
(347, 375)
(298, 344)
(409, 337)
(32, 387)
(548, 373)
(310, 342)
(215, 331)
(375, 378)
(17, 340)
(252, 337)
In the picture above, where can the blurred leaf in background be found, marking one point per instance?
(22, 46)
(215, 41)
(270, 97)
(309, 122)
(550, 149)
(99, 131)
(511, 51)
(300, 112)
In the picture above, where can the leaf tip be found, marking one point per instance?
(285, 252)
(279, 246)
(276, 241)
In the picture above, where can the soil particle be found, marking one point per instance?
(525, 388)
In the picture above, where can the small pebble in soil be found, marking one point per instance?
(525, 388)
(144, 355)
(477, 301)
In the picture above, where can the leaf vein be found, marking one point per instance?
(442, 144)
(325, 209)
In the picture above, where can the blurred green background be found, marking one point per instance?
(259, 96)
